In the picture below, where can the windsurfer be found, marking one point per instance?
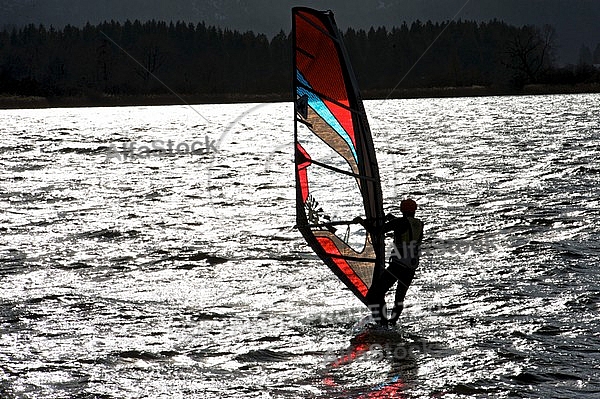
(403, 261)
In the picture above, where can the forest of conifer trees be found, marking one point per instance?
(120, 59)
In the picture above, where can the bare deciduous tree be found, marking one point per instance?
(530, 51)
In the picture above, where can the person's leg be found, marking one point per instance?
(405, 276)
(376, 296)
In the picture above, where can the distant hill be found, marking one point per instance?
(576, 21)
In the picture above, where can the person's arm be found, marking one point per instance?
(389, 225)
(420, 239)
(370, 227)
(362, 222)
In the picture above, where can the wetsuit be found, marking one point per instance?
(403, 262)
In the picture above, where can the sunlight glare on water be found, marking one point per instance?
(181, 275)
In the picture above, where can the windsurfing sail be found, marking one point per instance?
(337, 177)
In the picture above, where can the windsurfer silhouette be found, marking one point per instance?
(403, 262)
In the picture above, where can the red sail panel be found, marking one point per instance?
(313, 42)
(301, 165)
(332, 250)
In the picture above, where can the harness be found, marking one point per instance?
(407, 247)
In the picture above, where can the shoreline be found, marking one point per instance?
(33, 102)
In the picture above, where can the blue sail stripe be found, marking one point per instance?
(321, 109)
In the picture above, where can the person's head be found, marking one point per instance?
(408, 207)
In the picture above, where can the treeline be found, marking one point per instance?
(121, 59)
(124, 58)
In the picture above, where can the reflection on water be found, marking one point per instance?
(182, 276)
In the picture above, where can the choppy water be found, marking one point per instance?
(180, 276)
